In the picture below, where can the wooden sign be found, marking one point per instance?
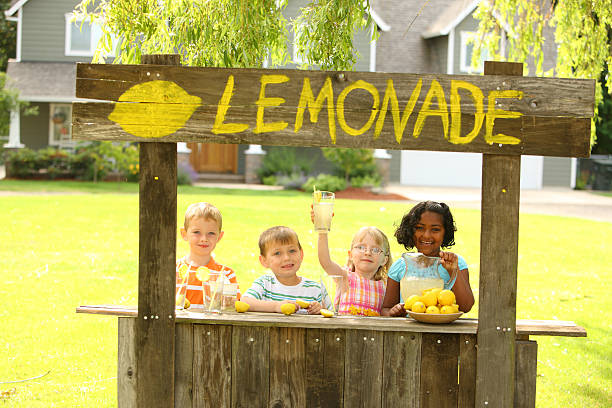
(495, 114)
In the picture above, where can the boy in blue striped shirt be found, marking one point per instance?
(281, 252)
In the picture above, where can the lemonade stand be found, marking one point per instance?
(228, 359)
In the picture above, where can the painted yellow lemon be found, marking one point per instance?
(154, 109)
(241, 307)
(327, 313)
(303, 304)
(288, 308)
(446, 297)
(418, 307)
(432, 310)
(410, 301)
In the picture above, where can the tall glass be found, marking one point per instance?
(182, 275)
(212, 289)
(323, 207)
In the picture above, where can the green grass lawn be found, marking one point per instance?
(60, 251)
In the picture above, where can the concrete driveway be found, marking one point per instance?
(551, 201)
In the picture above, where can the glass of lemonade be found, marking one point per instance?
(323, 207)
(213, 291)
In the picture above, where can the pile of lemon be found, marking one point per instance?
(433, 301)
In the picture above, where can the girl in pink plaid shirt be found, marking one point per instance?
(360, 287)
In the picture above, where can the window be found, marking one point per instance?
(465, 56)
(60, 116)
(82, 37)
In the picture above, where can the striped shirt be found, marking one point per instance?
(364, 297)
(195, 295)
(267, 287)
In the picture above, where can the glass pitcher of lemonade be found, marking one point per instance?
(421, 273)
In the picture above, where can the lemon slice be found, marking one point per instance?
(187, 304)
(202, 273)
(183, 270)
(303, 303)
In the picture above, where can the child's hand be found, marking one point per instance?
(449, 261)
(314, 308)
(397, 310)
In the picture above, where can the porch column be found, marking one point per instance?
(383, 163)
(253, 157)
(14, 141)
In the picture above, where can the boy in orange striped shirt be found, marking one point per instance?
(202, 230)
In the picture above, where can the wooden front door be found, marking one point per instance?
(213, 157)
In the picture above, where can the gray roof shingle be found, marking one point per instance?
(43, 81)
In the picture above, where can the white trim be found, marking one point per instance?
(19, 35)
(181, 147)
(16, 7)
(573, 170)
(15, 132)
(379, 21)
(450, 53)
(68, 26)
(254, 149)
(462, 15)
(381, 154)
(373, 54)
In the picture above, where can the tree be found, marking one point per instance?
(226, 33)
(351, 162)
(8, 37)
(583, 33)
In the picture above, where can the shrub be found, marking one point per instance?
(185, 175)
(351, 162)
(324, 182)
(269, 180)
(365, 181)
(293, 181)
(283, 161)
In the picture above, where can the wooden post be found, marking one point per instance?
(156, 265)
(501, 175)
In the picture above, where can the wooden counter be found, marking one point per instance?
(271, 360)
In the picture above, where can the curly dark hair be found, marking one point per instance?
(405, 231)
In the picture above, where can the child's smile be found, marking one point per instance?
(429, 233)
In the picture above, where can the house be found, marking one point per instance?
(415, 36)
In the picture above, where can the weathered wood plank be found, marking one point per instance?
(363, 368)
(538, 135)
(212, 366)
(183, 365)
(250, 367)
(334, 355)
(498, 271)
(467, 371)
(401, 376)
(542, 96)
(439, 361)
(288, 379)
(526, 374)
(156, 278)
(126, 364)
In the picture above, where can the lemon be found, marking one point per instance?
(418, 307)
(447, 310)
(455, 307)
(430, 299)
(302, 303)
(241, 307)
(162, 103)
(327, 313)
(432, 310)
(288, 308)
(202, 273)
(446, 297)
(187, 304)
(410, 301)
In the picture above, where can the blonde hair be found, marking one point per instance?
(203, 210)
(381, 239)
(280, 234)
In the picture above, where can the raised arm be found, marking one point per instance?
(330, 267)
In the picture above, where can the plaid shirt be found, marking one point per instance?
(364, 296)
